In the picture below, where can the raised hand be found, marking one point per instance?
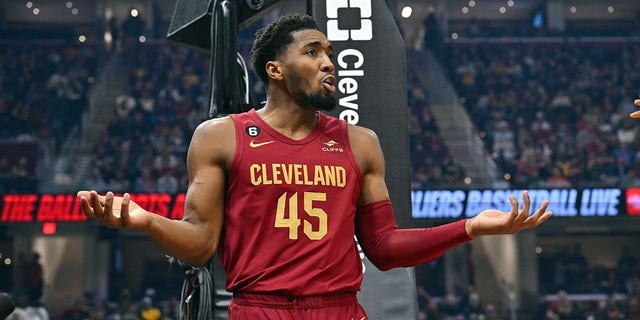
(635, 114)
(112, 211)
(492, 221)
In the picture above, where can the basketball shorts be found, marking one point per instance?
(339, 306)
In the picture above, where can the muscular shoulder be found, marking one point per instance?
(214, 139)
(216, 127)
(366, 147)
(359, 135)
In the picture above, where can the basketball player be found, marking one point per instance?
(292, 187)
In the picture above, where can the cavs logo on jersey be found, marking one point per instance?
(331, 146)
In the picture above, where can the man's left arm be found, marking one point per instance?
(388, 246)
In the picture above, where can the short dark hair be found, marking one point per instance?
(274, 38)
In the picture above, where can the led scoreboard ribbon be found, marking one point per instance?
(438, 204)
(596, 202)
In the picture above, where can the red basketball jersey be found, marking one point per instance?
(295, 202)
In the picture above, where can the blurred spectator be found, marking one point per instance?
(491, 313)
(599, 312)
(433, 311)
(561, 106)
(418, 178)
(450, 308)
(36, 311)
(630, 179)
(147, 103)
(96, 181)
(561, 308)
(125, 104)
(167, 183)
(475, 310)
(119, 183)
(503, 142)
(114, 30)
(557, 181)
(527, 168)
(625, 159)
(633, 308)
(80, 310)
(612, 309)
(125, 306)
(22, 178)
(34, 279)
(423, 298)
(171, 309)
(145, 183)
(433, 38)
(148, 311)
(165, 160)
(540, 128)
(453, 173)
(627, 132)
(145, 159)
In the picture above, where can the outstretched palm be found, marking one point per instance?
(114, 212)
(493, 221)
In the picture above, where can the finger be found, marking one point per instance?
(524, 214)
(124, 209)
(635, 114)
(82, 193)
(96, 205)
(519, 216)
(544, 214)
(86, 207)
(514, 207)
(109, 218)
(637, 102)
(538, 214)
(544, 218)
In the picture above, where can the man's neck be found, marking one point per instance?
(289, 119)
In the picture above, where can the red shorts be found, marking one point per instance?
(339, 306)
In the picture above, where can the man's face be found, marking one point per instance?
(308, 70)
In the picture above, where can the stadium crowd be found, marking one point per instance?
(143, 149)
(43, 94)
(554, 114)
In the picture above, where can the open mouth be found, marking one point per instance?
(328, 83)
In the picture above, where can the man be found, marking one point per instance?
(292, 187)
(635, 114)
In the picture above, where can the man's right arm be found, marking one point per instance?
(195, 238)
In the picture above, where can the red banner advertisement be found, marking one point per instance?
(66, 207)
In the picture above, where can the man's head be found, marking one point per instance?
(272, 40)
(294, 55)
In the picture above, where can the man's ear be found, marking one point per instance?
(274, 70)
